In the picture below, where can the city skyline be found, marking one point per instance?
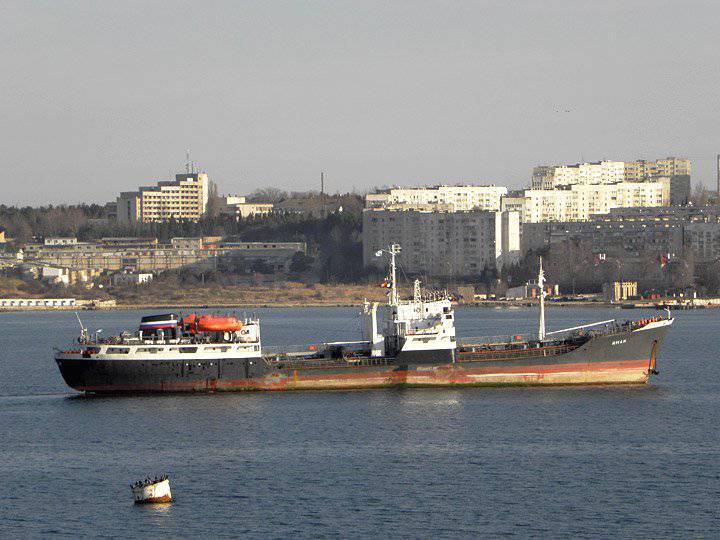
(103, 100)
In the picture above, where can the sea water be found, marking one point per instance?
(631, 461)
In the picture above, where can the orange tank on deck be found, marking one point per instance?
(214, 323)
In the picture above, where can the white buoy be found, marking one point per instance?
(152, 490)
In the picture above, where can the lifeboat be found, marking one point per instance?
(214, 323)
(189, 319)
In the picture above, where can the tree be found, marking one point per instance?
(700, 195)
(268, 195)
(213, 206)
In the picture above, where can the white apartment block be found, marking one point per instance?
(608, 172)
(636, 171)
(185, 198)
(601, 172)
(578, 202)
(452, 198)
(443, 243)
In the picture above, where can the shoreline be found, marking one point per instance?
(490, 304)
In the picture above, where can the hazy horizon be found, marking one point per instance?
(100, 98)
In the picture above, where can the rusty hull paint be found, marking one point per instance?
(151, 500)
(583, 373)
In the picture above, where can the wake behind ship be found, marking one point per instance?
(415, 345)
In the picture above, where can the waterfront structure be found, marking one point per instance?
(443, 242)
(138, 255)
(620, 290)
(453, 198)
(239, 208)
(185, 198)
(36, 302)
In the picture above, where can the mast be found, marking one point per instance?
(394, 250)
(541, 284)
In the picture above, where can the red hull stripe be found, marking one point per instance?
(164, 498)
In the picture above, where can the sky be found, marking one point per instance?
(102, 97)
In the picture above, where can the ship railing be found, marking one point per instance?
(289, 362)
(595, 328)
(500, 354)
(493, 340)
(281, 350)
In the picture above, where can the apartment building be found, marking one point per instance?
(636, 231)
(458, 198)
(578, 202)
(601, 172)
(185, 198)
(673, 172)
(443, 243)
(636, 171)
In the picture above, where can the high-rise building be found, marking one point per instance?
(185, 198)
(578, 202)
(673, 173)
(443, 243)
(451, 197)
(601, 172)
(637, 171)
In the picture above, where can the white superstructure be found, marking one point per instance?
(423, 324)
(169, 344)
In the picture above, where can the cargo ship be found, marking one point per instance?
(407, 342)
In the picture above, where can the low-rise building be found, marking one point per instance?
(60, 241)
(319, 206)
(131, 278)
(149, 256)
(531, 290)
(238, 207)
(60, 276)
